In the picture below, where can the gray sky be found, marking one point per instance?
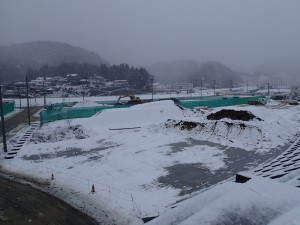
(239, 33)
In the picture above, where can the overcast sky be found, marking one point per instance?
(239, 33)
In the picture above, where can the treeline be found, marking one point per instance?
(137, 77)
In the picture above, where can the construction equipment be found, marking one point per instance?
(132, 100)
(261, 101)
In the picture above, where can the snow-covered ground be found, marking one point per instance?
(129, 153)
(259, 201)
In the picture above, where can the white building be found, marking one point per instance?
(157, 87)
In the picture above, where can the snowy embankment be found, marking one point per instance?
(269, 129)
(259, 201)
(124, 151)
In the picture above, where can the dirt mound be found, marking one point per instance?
(60, 134)
(183, 125)
(232, 114)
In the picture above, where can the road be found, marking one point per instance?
(22, 204)
(22, 117)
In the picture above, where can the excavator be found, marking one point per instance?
(132, 100)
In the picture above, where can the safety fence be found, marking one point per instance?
(8, 106)
(55, 112)
(63, 111)
(217, 102)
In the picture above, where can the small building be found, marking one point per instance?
(73, 79)
(121, 83)
(295, 92)
(158, 87)
(20, 87)
(180, 87)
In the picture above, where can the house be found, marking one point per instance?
(121, 83)
(295, 92)
(73, 79)
(158, 87)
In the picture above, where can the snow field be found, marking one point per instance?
(124, 164)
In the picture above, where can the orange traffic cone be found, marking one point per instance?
(93, 189)
(52, 177)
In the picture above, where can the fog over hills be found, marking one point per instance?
(280, 71)
(16, 59)
(191, 71)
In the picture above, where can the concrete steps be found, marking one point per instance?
(285, 164)
(22, 140)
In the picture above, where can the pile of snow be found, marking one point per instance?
(258, 201)
(267, 129)
(138, 115)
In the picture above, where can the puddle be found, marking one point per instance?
(195, 176)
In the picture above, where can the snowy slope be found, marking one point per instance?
(259, 201)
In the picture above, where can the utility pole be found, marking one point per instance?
(3, 122)
(20, 100)
(201, 87)
(28, 109)
(247, 86)
(268, 89)
(214, 87)
(179, 85)
(152, 90)
(44, 93)
(82, 93)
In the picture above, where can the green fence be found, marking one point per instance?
(63, 111)
(8, 107)
(55, 112)
(217, 102)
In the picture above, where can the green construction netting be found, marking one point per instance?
(63, 111)
(216, 102)
(55, 112)
(8, 107)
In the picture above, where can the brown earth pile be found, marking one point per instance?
(232, 114)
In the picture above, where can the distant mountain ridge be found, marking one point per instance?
(16, 59)
(191, 71)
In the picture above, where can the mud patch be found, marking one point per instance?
(233, 115)
(183, 125)
(186, 125)
(69, 152)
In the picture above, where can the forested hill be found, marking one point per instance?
(16, 59)
(191, 71)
